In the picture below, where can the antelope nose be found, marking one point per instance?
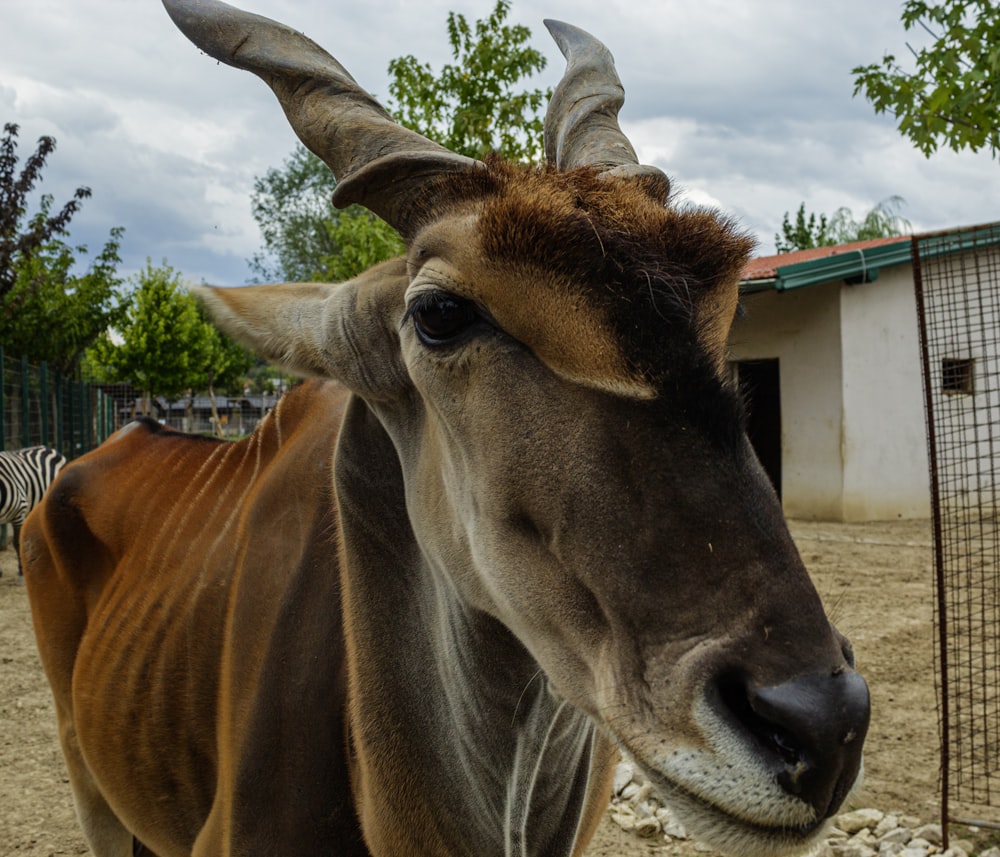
(814, 727)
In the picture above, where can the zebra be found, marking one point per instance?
(25, 475)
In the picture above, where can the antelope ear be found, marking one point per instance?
(344, 331)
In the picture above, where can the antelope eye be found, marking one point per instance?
(439, 318)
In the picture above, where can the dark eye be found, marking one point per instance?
(439, 317)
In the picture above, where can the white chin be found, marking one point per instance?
(737, 836)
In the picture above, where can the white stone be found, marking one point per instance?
(675, 829)
(643, 811)
(645, 790)
(859, 819)
(890, 822)
(648, 826)
(865, 837)
(898, 835)
(624, 773)
(931, 832)
(626, 821)
(852, 849)
(630, 791)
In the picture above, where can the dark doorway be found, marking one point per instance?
(760, 384)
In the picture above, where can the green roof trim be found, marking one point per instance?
(862, 265)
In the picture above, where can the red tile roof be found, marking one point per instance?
(765, 267)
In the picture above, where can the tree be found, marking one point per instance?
(471, 107)
(882, 221)
(17, 244)
(48, 310)
(804, 234)
(952, 96)
(305, 239)
(223, 360)
(161, 345)
(53, 315)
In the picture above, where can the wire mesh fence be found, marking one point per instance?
(220, 415)
(957, 278)
(39, 407)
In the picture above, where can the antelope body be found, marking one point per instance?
(423, 616)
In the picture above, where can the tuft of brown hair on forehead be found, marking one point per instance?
(664, 278)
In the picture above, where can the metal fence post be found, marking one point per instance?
(60, 414)
(100, 415)
(25, 403)
(70, 453)
(86, 394)
(3, 438)
(43, 401)
(3, 403)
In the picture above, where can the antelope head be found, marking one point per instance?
(547, 365)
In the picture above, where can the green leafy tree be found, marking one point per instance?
(305, 239)
(292, 208)
(362, 240)
(471, 106)
(882, 221)
(19, 239)
(49, 310)
(804, 234)
(952, 95)
(161, 345)
(224, 362)
(52, 314)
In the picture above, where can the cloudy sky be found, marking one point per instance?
(747, 106)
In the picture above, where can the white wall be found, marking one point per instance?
(801, 329)
(853, 436)
(884, 438)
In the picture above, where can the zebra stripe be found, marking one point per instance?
(25, 475)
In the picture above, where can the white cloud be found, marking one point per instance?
(747, 107)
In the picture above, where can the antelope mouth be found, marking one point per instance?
(732, 831)
(771, 764)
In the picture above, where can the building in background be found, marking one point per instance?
(827, 351)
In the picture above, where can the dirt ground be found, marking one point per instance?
(875, 580)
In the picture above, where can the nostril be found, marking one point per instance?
(785, 747)
(737, 697)
(809, 731)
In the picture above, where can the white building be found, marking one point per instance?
(829, 350)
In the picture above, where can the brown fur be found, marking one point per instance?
(165, 572)
(654, 273)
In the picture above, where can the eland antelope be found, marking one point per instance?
(424, 616)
